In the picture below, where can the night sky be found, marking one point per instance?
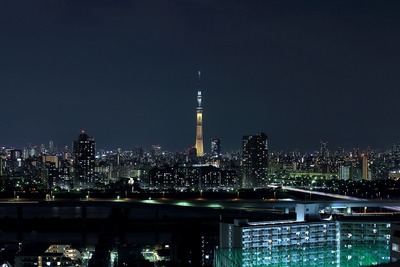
(126, 72)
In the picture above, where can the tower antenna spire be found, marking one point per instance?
(199, 79)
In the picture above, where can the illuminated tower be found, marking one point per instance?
(199, 125)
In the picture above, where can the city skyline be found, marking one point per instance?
(126, 72)
(52, 147)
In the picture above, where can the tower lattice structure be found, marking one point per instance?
(199, 123)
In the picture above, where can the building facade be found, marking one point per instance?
(41, 254)
(306, 241)
(84, 161)
(279, 243)
(255, 160)
(216, 148)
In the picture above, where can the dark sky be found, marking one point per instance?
(126, 72)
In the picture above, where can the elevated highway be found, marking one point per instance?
(202, 203)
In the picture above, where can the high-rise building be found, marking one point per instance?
(191, 156)
(306, 241)
(215, 148)
(255, 160)
(16, 161)
(323, 150)
(199, 123)
(365, 168)
(51, 147)
(396, 155)
(84, 160)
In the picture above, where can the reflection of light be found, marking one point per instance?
(184, 203)
(150, 201)
(215, 206)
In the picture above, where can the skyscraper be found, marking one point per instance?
(51, 147)
(199, 125)
(215, 148)
(84, 160)
(323, 150)
(255, 160)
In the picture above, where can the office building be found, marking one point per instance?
(215, 148)
(84, 161)
(255, 160)
(162, 178)
(16, 162)
(365, 168)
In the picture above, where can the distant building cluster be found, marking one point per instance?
(84, 167)
(341, 164)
